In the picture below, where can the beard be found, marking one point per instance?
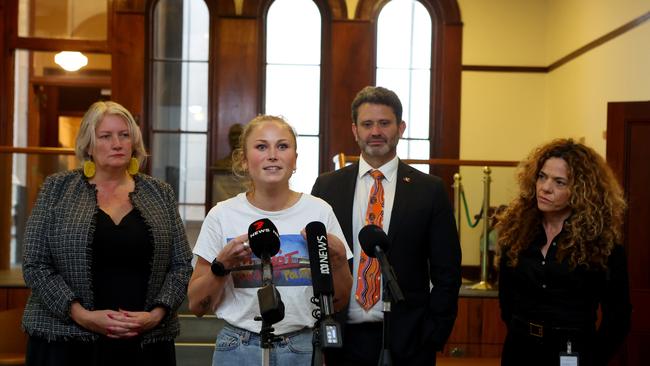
(378, 151)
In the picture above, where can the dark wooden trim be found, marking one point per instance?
(130, 6)
(261, 66)
(570, 57)
(338, 8)
(8, 9)
(325, 82)
(36, 150)
(51, 44)
(343, 159)
(522, 69)
(91, 81)
(600, 41)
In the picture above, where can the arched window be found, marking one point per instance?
(293, 68)
(404, 66)
(179, 101)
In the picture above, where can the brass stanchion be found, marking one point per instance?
(483, 284)
(457, 204)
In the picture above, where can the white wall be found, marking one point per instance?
(505, 115)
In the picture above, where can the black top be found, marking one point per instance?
(548, 291)
(121, 262)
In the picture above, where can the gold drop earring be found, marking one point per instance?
(134, 166)
(89, 168)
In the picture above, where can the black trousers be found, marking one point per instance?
(362, 346)
(103, 352)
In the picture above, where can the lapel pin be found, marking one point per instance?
(407, 179)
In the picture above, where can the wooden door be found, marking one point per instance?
(628, 153)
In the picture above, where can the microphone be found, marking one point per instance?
(264, 241)
(319, 261)
(329, 331)
(373, 240)
(375, 244)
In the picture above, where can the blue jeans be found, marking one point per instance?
(236, 346)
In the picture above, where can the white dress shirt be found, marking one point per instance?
(356, 314)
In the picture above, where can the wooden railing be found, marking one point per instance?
(343, 159)
(36, 150)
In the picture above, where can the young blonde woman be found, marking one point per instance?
(225, 279)
(106, 255)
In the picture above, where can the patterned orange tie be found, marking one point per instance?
(369, 275)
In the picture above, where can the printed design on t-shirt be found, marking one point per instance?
(290, 265)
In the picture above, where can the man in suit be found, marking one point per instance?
(413, 208)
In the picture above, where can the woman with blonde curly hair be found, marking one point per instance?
(562, 259)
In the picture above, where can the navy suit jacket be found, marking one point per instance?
(424, 247)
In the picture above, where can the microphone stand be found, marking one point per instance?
(391, 292)
(271, 310)
(327, 331)
(317, 354)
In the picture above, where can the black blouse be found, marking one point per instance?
(121, 262)
(546, 290)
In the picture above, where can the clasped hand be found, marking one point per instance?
(117, 324)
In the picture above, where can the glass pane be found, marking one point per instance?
(180, 160)
(196, 31)
(414, 149)
(397, 80)
(21, 105)
(180, 96)
(403, 64)
(421, 50)
(98, 65)
(181, 30)
(28, 174)
(67, 19)
(190, 214)
(417, 125)
(293, 33)
(307, 166)
(294, 92)
(394, 35)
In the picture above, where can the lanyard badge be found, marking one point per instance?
(568, 358)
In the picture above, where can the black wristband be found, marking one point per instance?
(218, 269)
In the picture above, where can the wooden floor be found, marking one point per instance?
(467, 361)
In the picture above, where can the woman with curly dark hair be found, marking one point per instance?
(562, 259)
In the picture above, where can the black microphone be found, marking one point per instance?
(328, 331)
(375, 243)
(319, 260)
(264, 241)
(373, 239)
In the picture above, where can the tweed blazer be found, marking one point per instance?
(58, 255)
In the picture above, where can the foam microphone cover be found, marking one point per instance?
(319, 259)
(371, 236)
(263, 238)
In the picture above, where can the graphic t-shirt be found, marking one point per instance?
(291, 272)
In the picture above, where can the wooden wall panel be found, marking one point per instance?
(3, 298)
(352, 68)
(128, 62)
(6, 134)
(236, 79)
(445, 99)
(478, 330)
(13, 297)
(17, 297)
